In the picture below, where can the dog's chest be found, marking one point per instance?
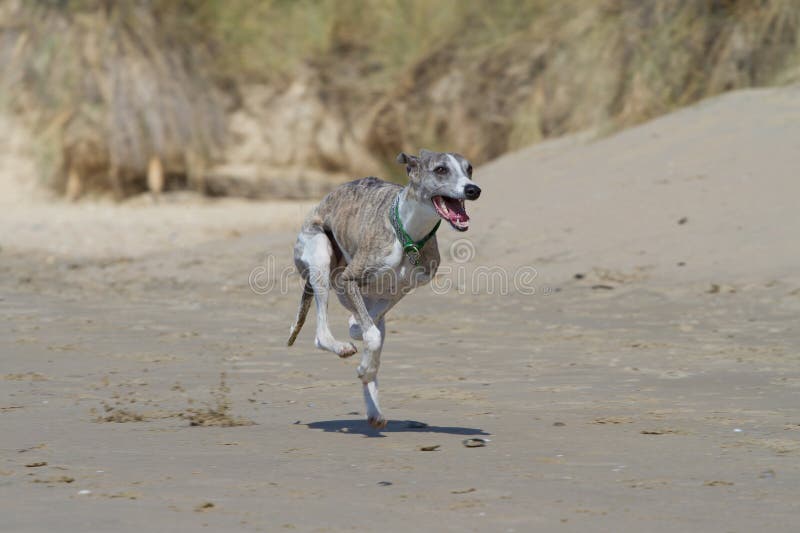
(395, 273)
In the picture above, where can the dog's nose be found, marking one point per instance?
(472, 192)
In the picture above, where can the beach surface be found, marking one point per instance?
(620, 324)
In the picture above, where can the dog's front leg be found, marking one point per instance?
(373, 335)
(370, 388)
(377, 310)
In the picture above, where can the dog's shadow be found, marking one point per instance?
(360, 427)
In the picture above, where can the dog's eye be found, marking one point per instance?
(469, 170)
(441, 170)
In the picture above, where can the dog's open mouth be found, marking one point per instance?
(452, 210)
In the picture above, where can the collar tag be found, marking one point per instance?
(412, 251)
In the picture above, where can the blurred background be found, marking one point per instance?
(285, 99)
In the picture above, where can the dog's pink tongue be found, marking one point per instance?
(456, 210)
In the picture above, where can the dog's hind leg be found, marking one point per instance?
(316, 260)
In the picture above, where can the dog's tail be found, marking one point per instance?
(305, 303)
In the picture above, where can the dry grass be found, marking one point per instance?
(107, 85)
(580, 65)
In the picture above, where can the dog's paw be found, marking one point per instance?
(377, 421)
(342, 349)
(346, 349)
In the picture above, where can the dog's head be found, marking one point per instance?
(445, 180)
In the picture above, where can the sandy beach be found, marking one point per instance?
(633, 362)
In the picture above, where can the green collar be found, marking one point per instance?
(410, 247)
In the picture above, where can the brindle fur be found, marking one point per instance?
(356, 219)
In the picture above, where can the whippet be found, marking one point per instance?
(373, 242)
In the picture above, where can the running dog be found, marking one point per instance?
(372, 242)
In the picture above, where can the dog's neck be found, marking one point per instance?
(416, 214)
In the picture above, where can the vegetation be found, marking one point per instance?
(107, 85)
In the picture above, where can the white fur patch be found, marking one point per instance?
(457, 166)
(463, 179)
(372, 339)
(317, 250)
(418, 217)
(395, 257)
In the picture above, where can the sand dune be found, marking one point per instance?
(728, 168)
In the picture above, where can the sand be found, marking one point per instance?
(638, 371)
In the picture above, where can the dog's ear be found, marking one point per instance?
(409, 161)
(405, 159)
